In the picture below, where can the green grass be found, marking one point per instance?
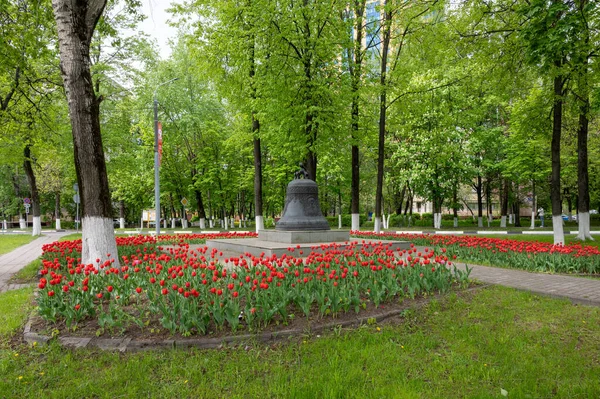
(28, 273)
(13, 241)
(14, 307)
(457, 347)
(70, 237)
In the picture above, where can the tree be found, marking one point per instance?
(76, 22)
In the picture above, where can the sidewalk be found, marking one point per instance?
(577, 289)
(14, 261)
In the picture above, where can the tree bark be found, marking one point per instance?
(57, 211)
(583, 197)
(479, 190)
(557, 225)
(504, 202)
(356, 75)
(35, 196)
(76, 22)
(382, 115)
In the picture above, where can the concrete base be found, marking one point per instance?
(302, 237)
(256, 246)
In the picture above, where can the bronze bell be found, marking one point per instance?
(302, 210)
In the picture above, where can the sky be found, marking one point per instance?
(155, 24)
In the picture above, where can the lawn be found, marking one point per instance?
(13, 241)
(471, 345)
(569, 238)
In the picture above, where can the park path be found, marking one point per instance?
(20, 257)
(577, 289)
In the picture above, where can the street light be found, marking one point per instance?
(156, 174)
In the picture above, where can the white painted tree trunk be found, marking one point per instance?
(377, 225)
(211, 223)
(489, 219)
(355, 222)
(122, 223)
(557, 227)
(455, 224)
(173, 223)
(583, 232)
(202, 223)
(98, 241)
(510, 219)
(184, 223)
(570, 216)
(141, 223)
(164, 223)
(58, 224)
(532, 220)
(339, 221)
(260, 223)
(4, 225)
(387, 223)
(479, 221)
(503, 221)
(226, 224)
(22, 224)
(37, 226)
(439, 220)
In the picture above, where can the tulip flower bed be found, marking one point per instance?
(526, 255)
(190, 291)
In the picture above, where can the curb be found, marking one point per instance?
(125, 344)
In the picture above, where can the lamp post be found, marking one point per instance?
(156, 166)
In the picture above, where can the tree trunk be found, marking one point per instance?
(504, 202)
(517, 207)
(200, 208)
(455, 203)
(583, 197)
(356, 74)
(76, 22)
(35, 196)
(479, 189)
(57, 211)
(382, 115)
(310, 162)
(122, 214)
(533, 205)
(557, 222)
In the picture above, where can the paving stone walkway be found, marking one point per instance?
(576, 289)
(14, 261)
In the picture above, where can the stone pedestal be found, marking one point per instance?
(273, 242)
(303, 236)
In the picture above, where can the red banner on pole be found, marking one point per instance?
(160, 142)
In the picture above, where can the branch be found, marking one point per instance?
(426, 90)
(92, 15)
(4, 102)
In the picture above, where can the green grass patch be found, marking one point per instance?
(469, 345)
(28, 274)
(569, 238)
(70, 237)
(14, 308)
(13, 241)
